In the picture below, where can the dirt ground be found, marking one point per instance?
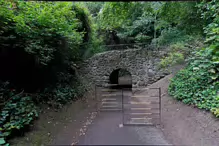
(59, 127)
(186, 125)
(181, 124)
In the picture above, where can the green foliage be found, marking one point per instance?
(184, 16)
(2, 141)
(19, 112)
(215, 111)
(42, 40)
(92, 43)
(177, 23)
(208, 10)
(47, 36)
(140, 31)
(85, 26)
(62, 94)
(154, 22)
(94, 7)
(172, 59)
(115, 14)
(50, 32)
(41, 23)
(210, 14)
(95, 45)
(170, 36)
(179, 52)
(4, 91)
(198, 83)
(132, 21)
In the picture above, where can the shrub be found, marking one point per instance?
(18, 113)
(176, 55)
(215, 111)
(179, 52)
(170, 36)
(198, 83)
(39, 43)
(43, 38)
(172, 59)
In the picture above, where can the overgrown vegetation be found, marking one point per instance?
(43, 42)
(158, 23)
(198, 83)
(40, 44)
(179, 52)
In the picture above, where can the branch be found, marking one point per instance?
(11, 97)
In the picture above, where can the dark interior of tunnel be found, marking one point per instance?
(125, 79)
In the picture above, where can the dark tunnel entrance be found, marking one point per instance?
(122, 78)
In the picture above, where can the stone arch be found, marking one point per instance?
(141, 63)
(122, 77)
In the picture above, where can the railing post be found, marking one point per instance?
(97, 101)
(160, 103)
(122, 108)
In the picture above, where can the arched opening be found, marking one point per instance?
(122, 78)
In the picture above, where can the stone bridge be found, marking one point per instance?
(142, 64)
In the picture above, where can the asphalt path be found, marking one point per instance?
(108, 129)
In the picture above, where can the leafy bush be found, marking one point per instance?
(40, 23)
(210, 14)
(172, 59)
(215, 111)
(179, 52)
(198, 83)
(178, 47)
(170, 36)
(97, 44)
(141, 31)
(62, 94)
(5, 92)
(94, 7)
(40, 44)
(19, 112)
(47, 36)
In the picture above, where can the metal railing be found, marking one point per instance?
(137, 107)
(147, 107)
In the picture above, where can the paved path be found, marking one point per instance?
(107, 129)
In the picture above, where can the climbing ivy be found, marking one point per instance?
(198, 83)
(18, 113)
(210, 13)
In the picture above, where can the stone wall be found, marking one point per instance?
(141, 63)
